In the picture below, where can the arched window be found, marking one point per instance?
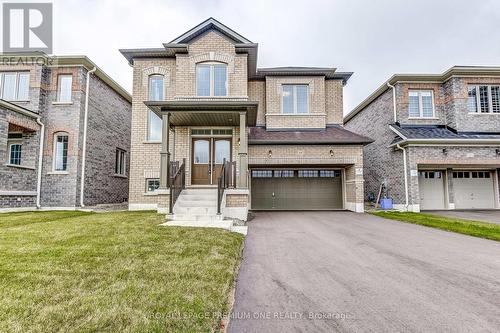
(60, 159)
(211, 79)
(156, 87)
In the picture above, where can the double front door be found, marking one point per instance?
(207, 159)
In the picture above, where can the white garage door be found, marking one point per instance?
(473, 189)
(431, 188)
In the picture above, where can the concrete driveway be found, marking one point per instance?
(490, 216)
(347, 272)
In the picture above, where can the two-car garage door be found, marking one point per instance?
(471, 189)
(296, 189)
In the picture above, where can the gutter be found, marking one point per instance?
(406, 174)
(393, 100)
(84, 149)
(40, 159)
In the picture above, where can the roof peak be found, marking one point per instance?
(207, 25)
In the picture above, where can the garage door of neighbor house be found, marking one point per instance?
(473, 189)
(296, 189)
(431, 189)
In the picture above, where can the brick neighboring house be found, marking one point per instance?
(439, 134)
(44, 97)
(201, 99)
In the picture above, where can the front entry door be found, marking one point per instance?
(208, 156)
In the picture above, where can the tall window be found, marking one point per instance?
(61, 152)
(154, 127)
(64, 83)
(484, 99)
(211, 80)
(120, 162)
(295, 98)
(156, 87)
(420, 104)
(15, 150)
(14, 86)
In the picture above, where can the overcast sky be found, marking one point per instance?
(373, 39)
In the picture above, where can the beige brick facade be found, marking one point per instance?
(179, 71)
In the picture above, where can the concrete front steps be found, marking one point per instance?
(197, 207)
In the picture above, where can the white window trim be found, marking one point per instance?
(124, 174)
(212, 83)
(12, 142)
(148, 130)
(58, 94)
(478, 100)
(163, 85)
(54, 158)
(16, 99)
(295, 113)
(420, 104)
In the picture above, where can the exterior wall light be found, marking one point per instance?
(270, 153)
(331, 153)
(497, 151)
(445, 151)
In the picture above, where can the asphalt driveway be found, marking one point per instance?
(490, 216)
(347, 272)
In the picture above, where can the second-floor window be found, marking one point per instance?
(64, 83)
(14, 86)
(483, 99)
(295, 98)
(211, 80)
(156, 87)
(420, 104)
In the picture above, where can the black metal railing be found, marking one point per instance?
(227, 179)
(177, 181)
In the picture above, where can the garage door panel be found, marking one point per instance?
(473, 190)
(431, 189)
(297, 193)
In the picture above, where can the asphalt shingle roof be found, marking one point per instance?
(440, 132)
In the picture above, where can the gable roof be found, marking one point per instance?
(439, 78)
(210, 24)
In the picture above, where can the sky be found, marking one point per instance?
(373, 39)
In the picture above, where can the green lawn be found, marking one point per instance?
(112, 272)
(467, 227)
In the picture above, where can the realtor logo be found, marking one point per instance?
(27, 27)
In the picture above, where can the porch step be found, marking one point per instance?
(196, 205)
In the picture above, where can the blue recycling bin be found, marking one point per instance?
(386, 203)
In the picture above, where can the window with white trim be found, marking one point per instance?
(15, 150)
(120, 162)
(295, 98)
(64, 84)
(152, 184)
(211, 79)
(154, 127)
(483, 99)
(420, 104)
(156, 87)
(61, 152)
(14, 86)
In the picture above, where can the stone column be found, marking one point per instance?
(243, 153)
(165, 153)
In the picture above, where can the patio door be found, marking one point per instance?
(208, 156)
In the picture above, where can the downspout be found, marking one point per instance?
(393, 100)
(84, 149)
(406, 174)
(40, 159)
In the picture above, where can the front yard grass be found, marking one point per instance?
(467, 227)
(112, 272)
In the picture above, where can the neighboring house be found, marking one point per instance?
(280, 129)
(52, 132)
(437, 139)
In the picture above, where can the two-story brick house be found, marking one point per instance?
(200, 99)
(437, 139)
(64, 133)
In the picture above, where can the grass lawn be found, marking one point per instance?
(467, 227)
(112, 272)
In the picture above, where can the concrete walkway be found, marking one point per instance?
(490, 216)
(347, 272)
